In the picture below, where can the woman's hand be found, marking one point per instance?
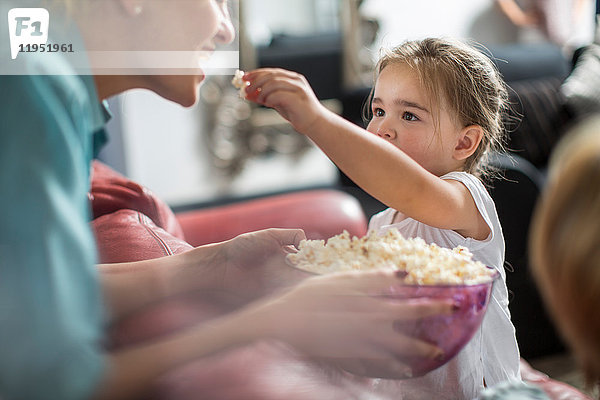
(339, 318)
(233, 272)
(287, 92)
(254, 263)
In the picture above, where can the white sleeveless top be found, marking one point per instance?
(492, 354)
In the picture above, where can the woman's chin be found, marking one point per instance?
(189, 92)
(189, 99)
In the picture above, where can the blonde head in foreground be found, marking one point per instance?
(565, 243)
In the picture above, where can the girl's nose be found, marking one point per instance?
(386, 133)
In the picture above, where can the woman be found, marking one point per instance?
(54, 303)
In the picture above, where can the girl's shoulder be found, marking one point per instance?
(472, 183)
(463, 177)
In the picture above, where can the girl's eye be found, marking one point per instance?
(378, 112)
(408, 116)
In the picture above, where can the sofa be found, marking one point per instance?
(132, 224)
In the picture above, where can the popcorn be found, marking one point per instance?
(239, 83)
(425, 264)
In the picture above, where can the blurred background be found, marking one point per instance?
(217, 148)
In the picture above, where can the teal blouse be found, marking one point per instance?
(51, 309)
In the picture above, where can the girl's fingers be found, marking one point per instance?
(259, 76)
(258, 79)
(274, 86)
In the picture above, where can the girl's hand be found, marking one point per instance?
(337, 317)
(287, 92)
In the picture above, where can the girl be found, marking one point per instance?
(436, 114)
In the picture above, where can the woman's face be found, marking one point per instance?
(184, 25)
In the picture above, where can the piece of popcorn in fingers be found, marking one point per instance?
(239, 83)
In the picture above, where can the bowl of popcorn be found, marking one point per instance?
(431, 271)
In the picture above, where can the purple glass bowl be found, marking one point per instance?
(448, 332)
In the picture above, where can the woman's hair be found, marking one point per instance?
(456, 75)
(565, 243)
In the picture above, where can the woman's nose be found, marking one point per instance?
(226, 32)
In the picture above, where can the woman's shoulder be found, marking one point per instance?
(43, 81)
(40, 104)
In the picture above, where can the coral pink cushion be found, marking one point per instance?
(110, 192)
(320, 213)
(128, 235)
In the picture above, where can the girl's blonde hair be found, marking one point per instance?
(462, 78)
(565, 243)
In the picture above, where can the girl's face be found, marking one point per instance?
(185, 25)
(403, 115)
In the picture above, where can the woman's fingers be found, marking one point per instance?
(386, 333)
(286, 237)
(406, 347)
(409, 309)
(374, 286)
(365, 292)
(374, 282)
(387, 368)
(350, 318)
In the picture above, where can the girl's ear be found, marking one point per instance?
(468, 141)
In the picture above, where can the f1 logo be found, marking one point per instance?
(27, 26)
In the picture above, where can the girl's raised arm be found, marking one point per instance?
(377, 166)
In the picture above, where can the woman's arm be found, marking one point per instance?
(377, 166)
(244, 268)
(128, 287)
(328, 317)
